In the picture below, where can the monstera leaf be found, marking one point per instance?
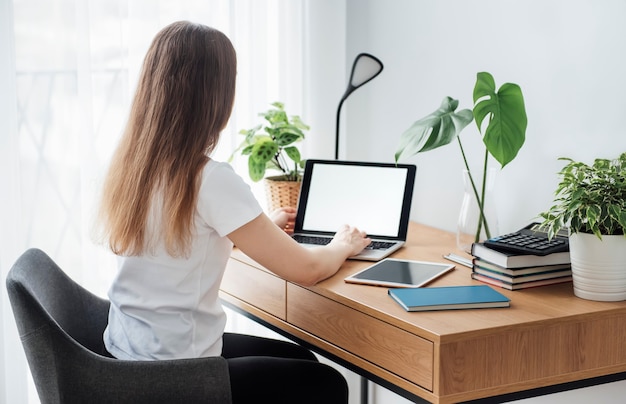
(435, 130)
(505, 132)
(500, 117)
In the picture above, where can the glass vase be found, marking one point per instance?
(472, 226)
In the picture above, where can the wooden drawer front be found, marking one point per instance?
(256, 287)
(547, 351)
(383, 344)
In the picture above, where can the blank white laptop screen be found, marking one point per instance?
(368, 197)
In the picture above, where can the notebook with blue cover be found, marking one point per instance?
(449, 298)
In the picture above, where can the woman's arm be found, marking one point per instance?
(266, 243)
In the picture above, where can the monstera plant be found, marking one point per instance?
(500, 116)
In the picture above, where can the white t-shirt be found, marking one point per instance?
(168, 308)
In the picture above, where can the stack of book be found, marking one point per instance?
(519, 271)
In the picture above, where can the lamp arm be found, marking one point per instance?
(346, 94)
(337, 129)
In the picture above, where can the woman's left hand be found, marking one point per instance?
(284, 218)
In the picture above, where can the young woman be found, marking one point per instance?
(172, 215)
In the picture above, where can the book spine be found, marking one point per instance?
(481, 263)
(523, 277)
(512, 261)
(491, 281)
(525, 285)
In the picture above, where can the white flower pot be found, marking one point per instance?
(598, 266)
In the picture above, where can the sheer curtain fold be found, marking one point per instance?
(12, 358)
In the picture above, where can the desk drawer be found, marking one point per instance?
(383, 344)
(256, 287)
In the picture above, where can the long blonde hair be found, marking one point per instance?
(183, 101)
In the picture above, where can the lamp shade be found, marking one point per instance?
(364, 69)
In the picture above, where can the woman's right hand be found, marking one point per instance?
(356, 239)
(267, 244)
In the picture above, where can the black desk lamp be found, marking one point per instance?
(364, 69)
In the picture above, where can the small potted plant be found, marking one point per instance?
(591, 201)
(500, 116)
(271, 146)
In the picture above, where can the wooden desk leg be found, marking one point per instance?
(364, 390)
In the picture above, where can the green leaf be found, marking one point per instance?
(293, 153)
(250, 133)
(593, 213)
(278, 104)
(297, 122)
(247, 150)
(435, 130)
(505, 132)
(274, 116)
(622, 220)
(256, 169)
(286, 138)
(263, 150)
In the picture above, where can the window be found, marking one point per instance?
(71, 69)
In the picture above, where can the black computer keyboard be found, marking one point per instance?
(529, 240)
(321, 240)
(379, 245)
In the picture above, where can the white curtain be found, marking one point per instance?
(67, 74)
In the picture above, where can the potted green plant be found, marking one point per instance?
(591, 201)
(271, 146)
(500, 116)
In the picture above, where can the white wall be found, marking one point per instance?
(568, 58)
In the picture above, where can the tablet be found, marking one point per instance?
(400, 273)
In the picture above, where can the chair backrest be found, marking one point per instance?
(42, 294)
(55, 317)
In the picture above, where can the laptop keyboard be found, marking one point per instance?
(311, 239)
(379, 245)
(374, 245)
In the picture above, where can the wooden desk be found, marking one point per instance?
(547, 337)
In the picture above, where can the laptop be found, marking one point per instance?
(374, 197)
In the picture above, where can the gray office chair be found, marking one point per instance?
(60, 326)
